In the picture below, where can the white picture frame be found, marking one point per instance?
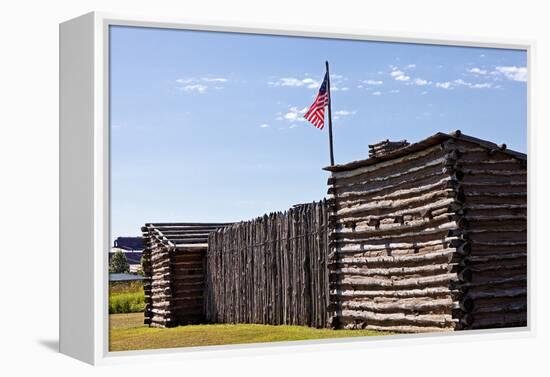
(84, 184)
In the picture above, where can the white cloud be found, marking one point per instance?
(443, 85)
(485, 85)
(310, 83)
(373, 82)
(423, 93)
(411, 66)
(399, 75)
(199, 85)
(513, 73)
(337, 83)
(421, 82)
(376, 93)
(461, 82)
(264, 125)
(295, 115)
(195, 88)
(478, 71)
(344, 112)
(214, 79)
(394, 91)
(294, 82)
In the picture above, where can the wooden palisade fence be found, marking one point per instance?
(422, 237)
(271, 270)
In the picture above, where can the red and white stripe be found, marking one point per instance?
(316, 113)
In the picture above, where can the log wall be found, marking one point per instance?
(494, 188)
(271, 270)
(173, 264)
(431, 240)
(394, 244)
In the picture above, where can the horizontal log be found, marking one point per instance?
(353, 249)
(360, 212)
(436, 320)
(394, 271)
(497, 320)
(401, 329)
(500, 267)
(441, 197)
(498, 293)
(491, 172)
(418, 305)
(194, 233)
(402, 178)
(185, 225)
(508, 308)
(421, 226)
(423, 235)
(441, 183)
(516, 280)
(406, 282)
(425, 292)
(385, 164)
(477, 259)
(428, 177)
(177, 240)
(445, 254)
(192, 247)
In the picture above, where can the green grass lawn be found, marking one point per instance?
(126, 298)
(127, 332)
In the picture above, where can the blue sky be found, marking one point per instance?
(209, 126)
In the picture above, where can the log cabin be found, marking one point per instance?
(173, 265)
(430, 236)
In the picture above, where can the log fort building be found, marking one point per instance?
(422, 237)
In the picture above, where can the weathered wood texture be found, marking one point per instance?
(271, 270)
(494, 192)
(431, 239)
(386, 146)
(173, 265)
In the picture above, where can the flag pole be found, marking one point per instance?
(329, 117)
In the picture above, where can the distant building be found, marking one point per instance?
(117, 278)
(129, 243)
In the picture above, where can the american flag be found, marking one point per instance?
(316, 113)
